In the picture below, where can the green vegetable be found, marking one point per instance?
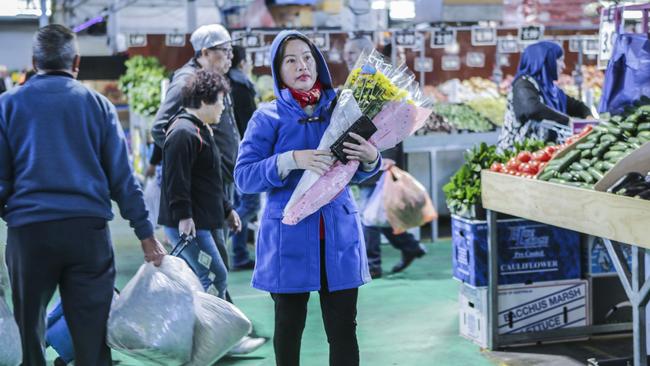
(608, 138)
(141, 83)
(643, 127)
(629, 126)
(618, 147)
(614, 155)
(644, 135)
(547, 174)
(585, 163)
(601, 150)
(607, 165)
(586, 176)
(600, 165)
(463, 117)
(558, 180)
(585, 154)
(587, 145)
(566, 176)
(576, 166)
(595, 173)
(569, 159)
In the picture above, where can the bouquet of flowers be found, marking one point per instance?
(391, 98)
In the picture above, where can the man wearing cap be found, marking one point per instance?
(212, 51)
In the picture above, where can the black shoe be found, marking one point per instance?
(407, 259)
(245, 267)
(375, 273)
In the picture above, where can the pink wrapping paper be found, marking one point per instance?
(394, 123)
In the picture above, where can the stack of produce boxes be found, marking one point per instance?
(539, 270)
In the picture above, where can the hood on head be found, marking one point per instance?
(321, 65)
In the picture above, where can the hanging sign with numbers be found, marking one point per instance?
(321, 40)
(507, 45)
(442, 37)
(531, 33)
(175, 40)
(484, 36)
(423, 64)
(606, 38)
(475, 59)
(405, 38)
(450, 63)
(137, 40)
(253, 40)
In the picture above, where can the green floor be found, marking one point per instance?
(408, 319)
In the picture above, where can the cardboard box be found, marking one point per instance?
(524, 308)
(528, 252)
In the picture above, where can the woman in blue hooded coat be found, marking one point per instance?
(535, 97)
(325, 252)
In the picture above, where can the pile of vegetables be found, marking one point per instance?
(526, 164)
(434, 123)
(632, 185)
(462, 117)
(600, 150)
(463, 192)
(142, 83)
(491, 108)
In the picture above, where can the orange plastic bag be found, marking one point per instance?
(406, 201)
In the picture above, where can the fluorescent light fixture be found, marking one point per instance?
(88, 24)
(632, 14)
(402, 9)
(12, 8)
(379, 4)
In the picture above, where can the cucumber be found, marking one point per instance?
(586, 176)
(576, 166)
(547, 174)
(644, 135)
(566, 176)
(614, 155)
(614, 130)
(569, 159)
(618, 147)
(587, 145)
(558, 180)
(645, 126)
(601, 128)
(585, 154)
(585, 163)
(600, 165)
(595, 173)
(608, 138)
(629, 126)
(607, 165)
(602, 149)
(633, 140)
(594, 136)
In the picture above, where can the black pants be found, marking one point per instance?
(339, 311)
(77, 255)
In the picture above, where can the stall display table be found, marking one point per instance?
(612, 217)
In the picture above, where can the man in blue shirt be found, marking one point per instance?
(63, 158)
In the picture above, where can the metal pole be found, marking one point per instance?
(638, 307)
(191, 16)
(493, 282)
(422, 56)
(43, 20)
(113, 26)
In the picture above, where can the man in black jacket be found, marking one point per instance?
(212, 51)
(406, 242)
(246, 205)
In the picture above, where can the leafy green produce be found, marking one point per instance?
(141, 83)
(463, 117)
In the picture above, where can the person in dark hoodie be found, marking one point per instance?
(246, 205)
(193, 200)
(213, 52)
(63, 158)
(325, 252)
(536, 98)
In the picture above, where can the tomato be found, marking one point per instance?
(528, 169)
(512, 164)
(524, 156)
(534, 163)
(551, 150)
(541, 156)
(496, 167)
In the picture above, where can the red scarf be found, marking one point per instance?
(310, 97)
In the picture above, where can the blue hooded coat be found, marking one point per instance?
(539, 61)
(288, 257)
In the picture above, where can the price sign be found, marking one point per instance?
(423, 64)
(450, 63)
(253, 40)
(475, 59)
(442, 37)
(484, 36)
(507, 45)
(531, 33)
(259, 59)
(137, 40)
(606, 38)
(590, 46)
(321, 40)
(175, 40)
(504, 60)
(405, 38)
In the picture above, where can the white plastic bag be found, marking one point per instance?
(11, 353)
(153, 319)
(152, 199)
(374, 213)
(219, 326)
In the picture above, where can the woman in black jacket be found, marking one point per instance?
(193, 200)
(536, 98)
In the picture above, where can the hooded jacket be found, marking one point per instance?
(288, 257)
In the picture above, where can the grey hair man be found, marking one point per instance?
(63, 158)
(353, 48)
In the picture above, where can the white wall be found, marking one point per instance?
(16, 44)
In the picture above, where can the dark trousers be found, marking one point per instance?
(77, 255)
(339, 311)
(405, 242)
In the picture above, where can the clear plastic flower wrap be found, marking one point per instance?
(219, 326)
(10, 348)
(153, 319)
(391, 98)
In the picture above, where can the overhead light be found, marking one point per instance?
(379, 5)
(12, 8)
(632, 14)
(402, 9)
